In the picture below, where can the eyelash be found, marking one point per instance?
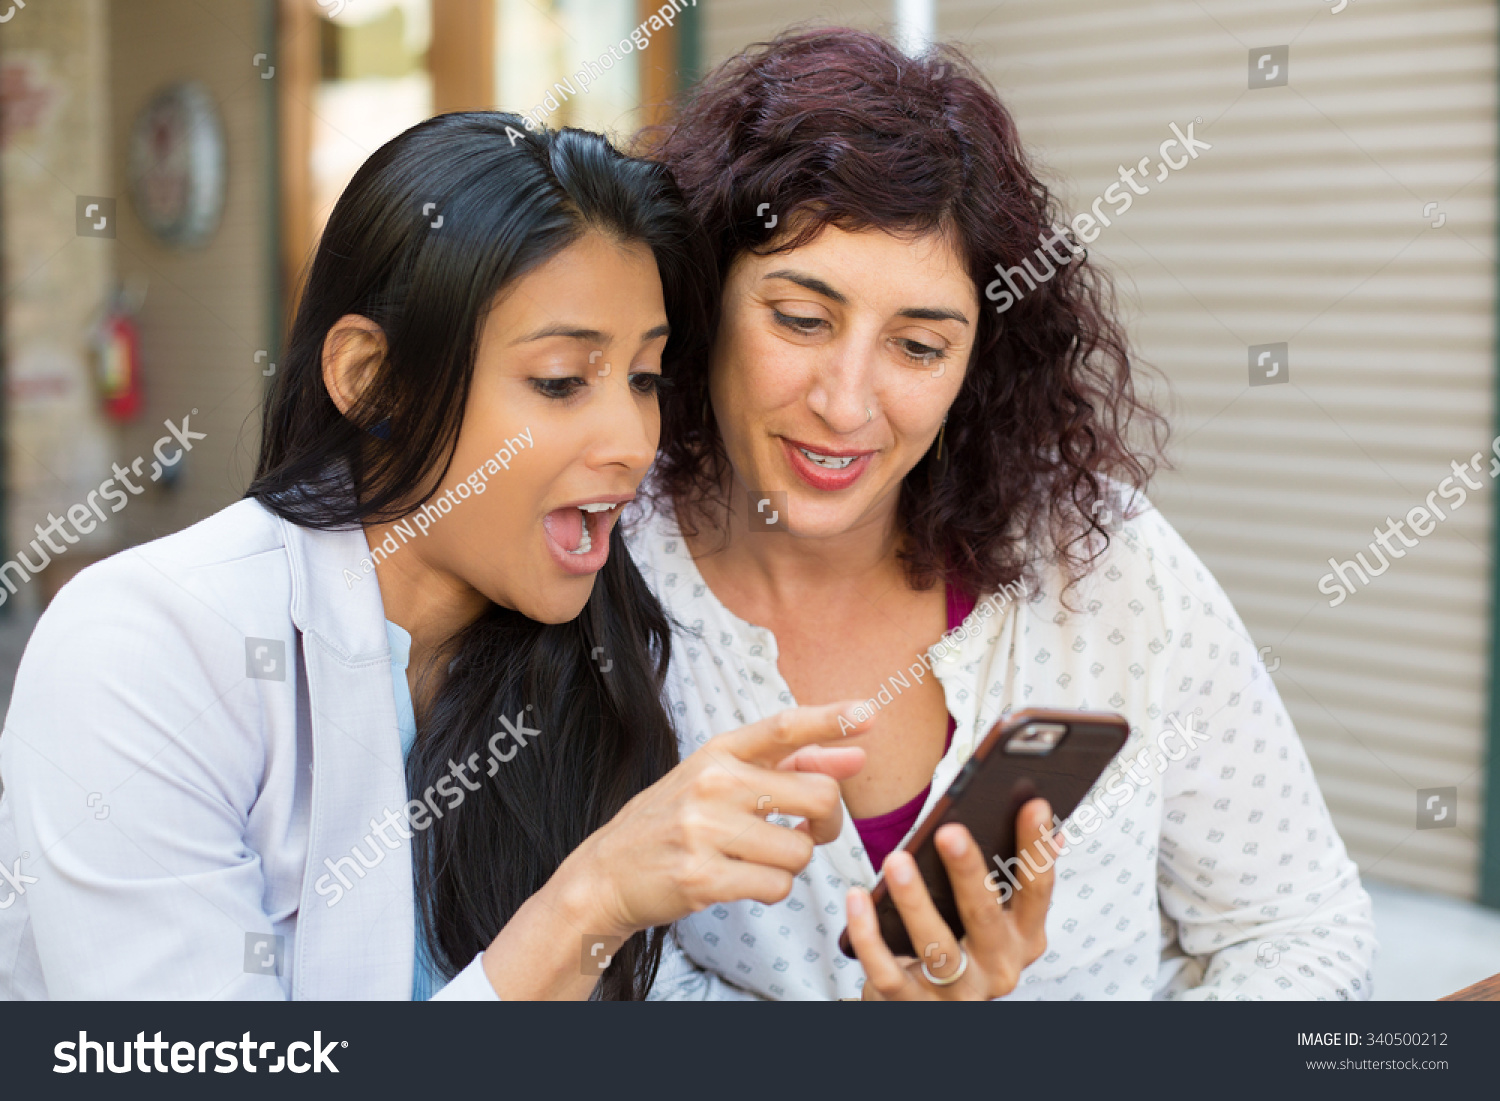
(925, 357)
(558, 389)
(561, 389)
(797, 324)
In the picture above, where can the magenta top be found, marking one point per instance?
(882, 833)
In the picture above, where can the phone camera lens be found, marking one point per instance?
(1036, 739)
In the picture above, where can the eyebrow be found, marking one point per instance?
(817, 286)
(927, 313)
(810, 282)
(589, 336)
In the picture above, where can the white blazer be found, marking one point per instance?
(202, 727)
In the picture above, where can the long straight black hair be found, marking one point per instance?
(508, 200)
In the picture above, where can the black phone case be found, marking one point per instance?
(987, 794)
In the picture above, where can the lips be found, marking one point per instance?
(577, 535)
(822, 470)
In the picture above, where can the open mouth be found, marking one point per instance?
(827, 462)
(574, 528)
(578, 535)
(829, 471)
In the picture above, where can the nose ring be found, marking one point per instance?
(869, 414)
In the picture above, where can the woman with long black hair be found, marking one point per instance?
(394, 720)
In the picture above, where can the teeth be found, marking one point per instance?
(585, 544)
(827, 461)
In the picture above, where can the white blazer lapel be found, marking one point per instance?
(354, 941)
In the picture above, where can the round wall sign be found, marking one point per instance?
(176, 165)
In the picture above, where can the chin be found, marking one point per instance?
(821, 516)
(563, 601)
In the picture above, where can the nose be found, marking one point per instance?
(843, 391)
(627, 430)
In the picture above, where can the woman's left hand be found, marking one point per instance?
(999, 940)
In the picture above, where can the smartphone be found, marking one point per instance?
(1057, 755)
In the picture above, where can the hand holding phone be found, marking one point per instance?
(999, 941)
(942, 899)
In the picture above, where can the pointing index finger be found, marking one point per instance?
(767, 742)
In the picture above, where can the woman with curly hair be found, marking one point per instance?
(911, 471)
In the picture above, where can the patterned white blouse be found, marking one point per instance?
(1203, 865)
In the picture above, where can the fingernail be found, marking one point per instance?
(899, 871)
(856, 904)
(953, 843)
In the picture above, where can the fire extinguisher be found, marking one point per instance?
(119, 355)
(120, 366)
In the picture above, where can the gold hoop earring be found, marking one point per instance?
(941, 430)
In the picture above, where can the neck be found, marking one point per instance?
(787, 568)
(430, 604)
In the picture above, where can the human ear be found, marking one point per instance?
(353, 351)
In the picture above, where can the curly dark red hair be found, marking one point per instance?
(839, 127)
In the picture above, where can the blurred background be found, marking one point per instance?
(1316, 289)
